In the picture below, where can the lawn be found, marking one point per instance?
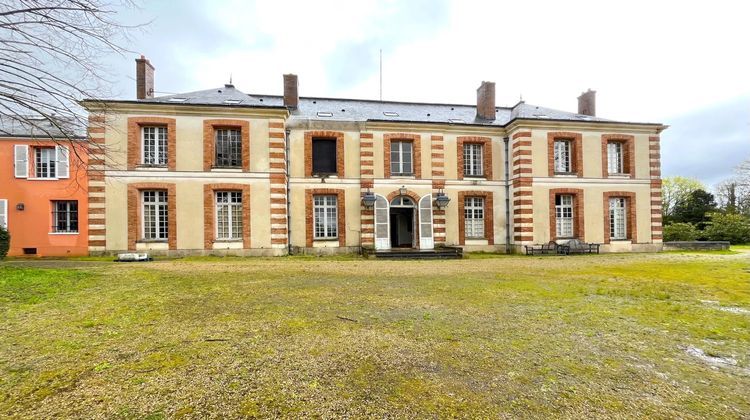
(643, 335)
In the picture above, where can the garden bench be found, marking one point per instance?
(577, 246)
(550, 247)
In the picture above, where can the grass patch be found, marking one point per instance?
(488, 336)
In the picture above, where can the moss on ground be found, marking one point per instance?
(489, 336)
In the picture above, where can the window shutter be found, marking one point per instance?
(63, 162)
(426, 240)
(382, 228)
(21, 160)
(4, 213)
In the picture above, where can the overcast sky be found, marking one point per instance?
(685, 64)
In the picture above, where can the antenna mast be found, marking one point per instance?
(381, 74)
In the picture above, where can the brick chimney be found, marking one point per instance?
(587, 103)
(291, 94)
(486, 101)
(144, 78)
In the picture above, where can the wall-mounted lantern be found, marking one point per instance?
(442, 200)
(368, 200)
(20, 206)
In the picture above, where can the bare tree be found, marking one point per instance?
(51, 55)
(733, 194)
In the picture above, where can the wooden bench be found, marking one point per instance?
(550, 247)
(577, 246)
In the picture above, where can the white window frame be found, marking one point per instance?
(615, 157)
(51, 162)
(325, 206)
(398, 160)
(232, 136)
(618, 218)
(56, 215)
(160, 206)
(473, 159)
(232, 202)
(564, 216)
(4, 213)
(474, 214)
(562, 152)
(160, 141)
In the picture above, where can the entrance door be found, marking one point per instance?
(402, 227)
(426, 239)
(382, 229)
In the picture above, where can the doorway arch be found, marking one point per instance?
(402, 217)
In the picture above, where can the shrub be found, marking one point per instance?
(731, 227)
(4, 242)
(681, 232)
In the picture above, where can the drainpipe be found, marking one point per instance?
(288, 195)
(507, 196)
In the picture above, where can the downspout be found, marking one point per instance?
(288, 194)
(507, 195)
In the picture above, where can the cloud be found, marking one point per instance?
(708, 143)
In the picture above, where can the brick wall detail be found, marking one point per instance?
(278, 178)
(309, 221)
(632, 227)
(135, 146)
(654, 153)
(486, 143)
(340, 157)
(97, 222)
(209, 136)
(134, 211)
(416, 152)
(489, 225)
(579, 227)
(522, 182)
(209, 212)
(576, 151)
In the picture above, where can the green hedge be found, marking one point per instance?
(681, 232)
(731, 227)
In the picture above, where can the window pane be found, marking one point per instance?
(228, 148)
(324, 156)
(562, 156)
(325, 212)
(474, 217)
(564, 216)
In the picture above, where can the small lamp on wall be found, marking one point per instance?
(20, 206)
(442, 200)
(368, 200)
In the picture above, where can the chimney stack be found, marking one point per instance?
(144, 78)
(291, 94)
(486, 101)
(587, 103)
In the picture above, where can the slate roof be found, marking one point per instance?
(371, 110)
(34, 127)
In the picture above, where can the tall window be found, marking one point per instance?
(473, 159)
(45, 162)
(401, 158)
(228, 148)
(325, 209)
(228, 215)
(155, 215)
(65, 216)
(154, 145)
(564, 216)
(617, 220)
(4, 213)
(615, 161)
(324, 156)
(562, 156)
(474, 217)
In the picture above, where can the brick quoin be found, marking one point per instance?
(135, 139)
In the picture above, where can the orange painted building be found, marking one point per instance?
(43, 194)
